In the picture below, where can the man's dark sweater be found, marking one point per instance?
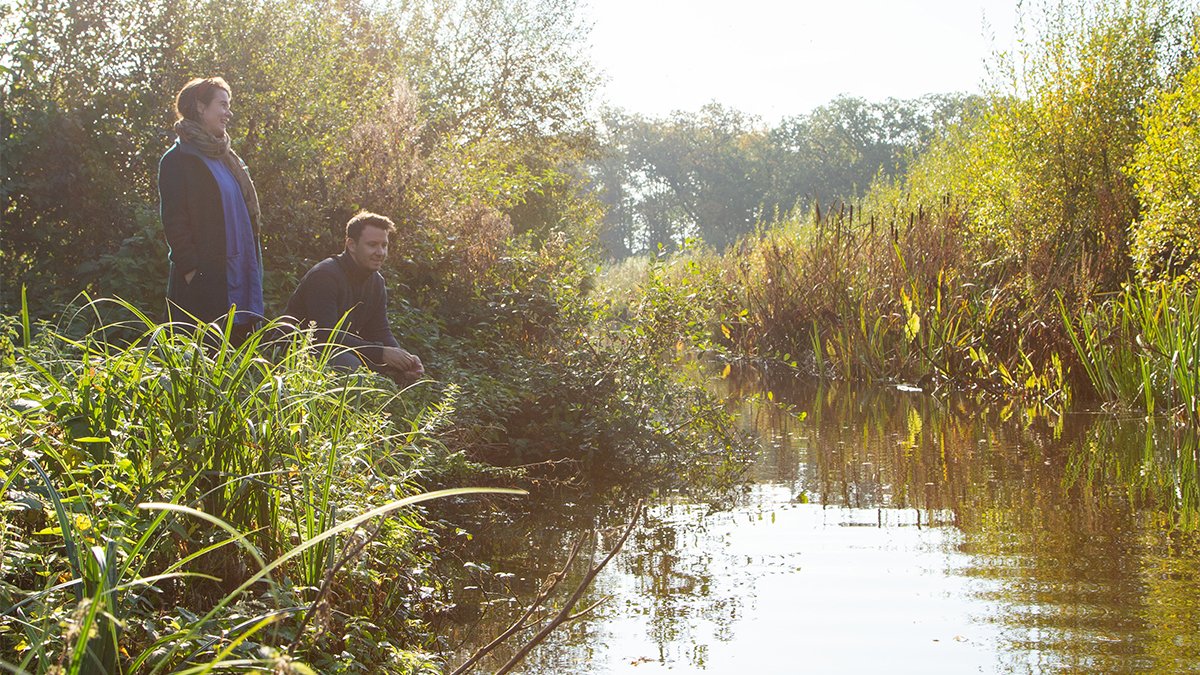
(338, 285)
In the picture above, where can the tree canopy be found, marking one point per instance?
(715, 174)
(437, 112)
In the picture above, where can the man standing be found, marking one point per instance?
(351, 282)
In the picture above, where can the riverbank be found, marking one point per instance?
(172, 500)
(909, 304)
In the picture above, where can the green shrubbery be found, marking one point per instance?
(998, 263)
(258, 458)
(1166, 172)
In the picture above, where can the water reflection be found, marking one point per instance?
(889, 530)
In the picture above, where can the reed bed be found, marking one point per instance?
(894, 300)
(1140, 348)
(178, 503)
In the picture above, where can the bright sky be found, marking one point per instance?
(775, 58)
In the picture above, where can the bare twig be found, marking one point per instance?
(547, 588)
(351, 551)
(564, 615)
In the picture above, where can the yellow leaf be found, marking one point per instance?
(725, 373)
(725, 330)
(771, 396)
(912, 327)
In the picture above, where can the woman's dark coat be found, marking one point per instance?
(194, 223)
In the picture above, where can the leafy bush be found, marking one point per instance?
(1167, 177)
(110, 451)
(1041, 169)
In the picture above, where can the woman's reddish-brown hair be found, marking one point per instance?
(197, 91)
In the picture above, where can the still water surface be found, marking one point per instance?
(886, 531)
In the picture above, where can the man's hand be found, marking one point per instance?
(403, 361)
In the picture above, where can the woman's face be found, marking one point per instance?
(215, 115)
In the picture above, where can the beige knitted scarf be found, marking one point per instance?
(219, 148)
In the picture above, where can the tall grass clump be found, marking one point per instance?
(1140, 348)
(180, 503)
(885, 299)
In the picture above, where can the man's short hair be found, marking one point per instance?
(365, 219)
(197, 91)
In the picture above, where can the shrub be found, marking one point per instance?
(278, 452)
(1166, 171)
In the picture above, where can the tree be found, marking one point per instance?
(835, 152)
(717, 173)
(428, 110)
(75, 158)
(692, 175)
(1166, 173)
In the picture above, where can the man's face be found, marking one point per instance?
(370, 249)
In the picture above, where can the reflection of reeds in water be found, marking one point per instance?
(1100, 574)
(1150, 466)
(872, 447)
(876, 446)
(1085, 526)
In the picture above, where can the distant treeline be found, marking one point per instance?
(717, 173)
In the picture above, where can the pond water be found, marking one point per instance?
(885, 531)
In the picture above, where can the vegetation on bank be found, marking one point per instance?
(465, 122)
(1042, 247)
(1037, 242)
(175, 503)
(185, 503)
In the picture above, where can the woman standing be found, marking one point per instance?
(209, 214)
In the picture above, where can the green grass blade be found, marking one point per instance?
(332, 532)
(63, 523)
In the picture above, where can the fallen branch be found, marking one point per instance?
(519, 625)
(563, 616)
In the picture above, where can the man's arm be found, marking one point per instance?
(375, 326)
(319, 294)
(377, 330)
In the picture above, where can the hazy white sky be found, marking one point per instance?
(775, 58)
